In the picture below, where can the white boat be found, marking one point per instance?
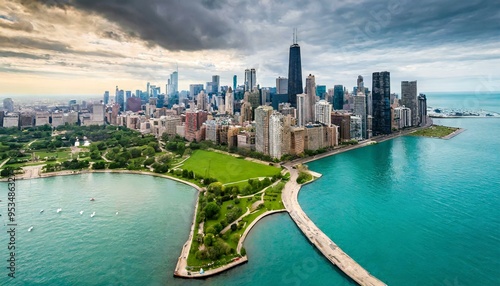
(81, 212)
(92, 215)
(41, 211)
(59, 210)
(116, 212)
(29, 229)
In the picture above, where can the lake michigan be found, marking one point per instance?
(412, 211)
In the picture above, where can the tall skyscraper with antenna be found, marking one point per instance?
(294, 72)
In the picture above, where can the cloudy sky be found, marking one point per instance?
(83, 47)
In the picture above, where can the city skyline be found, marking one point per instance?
(85, 47)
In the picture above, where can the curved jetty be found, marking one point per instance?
(324, 244)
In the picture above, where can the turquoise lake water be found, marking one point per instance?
(412, 211)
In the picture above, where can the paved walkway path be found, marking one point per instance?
(4, 162)
(324, 244)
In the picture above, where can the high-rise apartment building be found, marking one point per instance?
(402, 117)
(294, 73)
(360, 110)
(235, 82)
(262, 114)
(276, 126)
(338, 97)
(422, 109)
(250, 79)
(202, 101)
(323, 111)
(194, 121)
(409, 99)
(300, 102)
(311, 98)
(381, 92)
(229, 102)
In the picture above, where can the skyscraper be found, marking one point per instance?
(262, 114)
(106, 97)
(281, 85)
(409, 99)
(360, 110)
(250, 79)
(338, 97)
(294, 73)
(229, 102)
(360, 85)
(173, 84)
(300, 101)
(321, 91)
(216, 83)
(422, 109)
(381, 92)
(202, 101)
(194, 90)
(8, 104)
(235, 82)
(311, 98)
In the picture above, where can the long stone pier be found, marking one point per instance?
(324, 244)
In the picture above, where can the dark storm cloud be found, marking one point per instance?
(49, 45)
(174, 25)
(420, 23)
(367, 24)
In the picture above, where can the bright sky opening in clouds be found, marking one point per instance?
(84, 47)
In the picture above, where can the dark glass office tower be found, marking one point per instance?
(294, 75)
(381, 92)
(338, 97)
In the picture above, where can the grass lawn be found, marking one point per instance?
(61, 154)
(435, 131)
(226, 168)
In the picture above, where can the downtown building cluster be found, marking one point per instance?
(287, 119)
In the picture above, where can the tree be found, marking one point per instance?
(148, 151)
(99, 165)
(243, 251)
(7, 171)
(135, 152)
(155, 146)
(211, 210)
(209, 239)
(217, 227)
(95, 155)
(234, 227)
(215, 188)
(149, 161)
(233, 214)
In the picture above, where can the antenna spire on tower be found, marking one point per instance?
(294, 36)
